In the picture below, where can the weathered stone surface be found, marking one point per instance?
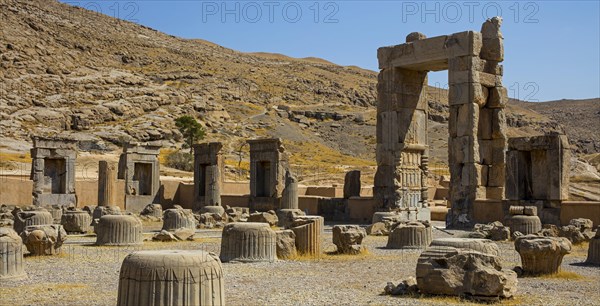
(286, 217)
(218, 210)
(56, 211)
(34, 217)
(485, 246)
(44, 239)
(572, 233)
(308, 230)
(164, 236)
(352, 184)
(348, 238)
(140, 168)
(11, 255)
(100, 211)
(286, 244)
(594, 249)
(269, 217)
(410, 235)
(378, 229)
(406, 286)
(379, 215)
(267, 156)
(171, 277)
(107, 183)
(119, 230)
(289, 198)
(208, 175)
(585, 226)
(210, 220)
(541, 255)
(76, 221)
(152, 212)
(452, 271)
(248, 242)
(523, 223)
(184, 233)
(175, 218)
(494, 231)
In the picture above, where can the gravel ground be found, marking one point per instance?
(84, 274)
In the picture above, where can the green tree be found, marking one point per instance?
(191, 130)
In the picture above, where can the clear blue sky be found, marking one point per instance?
(552, 48)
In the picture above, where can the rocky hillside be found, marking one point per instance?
(104, 81)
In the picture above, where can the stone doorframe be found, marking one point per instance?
(477, 123)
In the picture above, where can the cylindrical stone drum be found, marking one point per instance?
(177, 218)
(480, 245)
(171, 277)
(76, 221)
(248, 242)
(33, 217)
(11, 255)
(100, 211)
(542, 255)
(524, 224)
(308, 230)
(411, 235)
(119, 230)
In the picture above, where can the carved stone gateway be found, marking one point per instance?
(139, 167)
(53, 171)
(208, 169)
(268, 165)
(477, 139)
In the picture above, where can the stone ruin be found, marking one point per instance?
(477, 122)
(410, 235)
(11, 255)
(119, 230)
(268, 165)
(248, 242)
(308, 230)
(348, 239)
(208, 171)
(593, 256)
(139, 167)
(541, 255)
(538, 174)
(44, 239)
(76, 221)
(107, 183)
(523, 219)
(53, 171)
(23, 219)
(171, 277)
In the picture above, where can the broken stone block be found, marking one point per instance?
(184, 233)
(175, 218)
(56, 212)
(348, 238)
(541, 255)
(549, 230)
(76, 221)
(152, 212)
(452, 271)
(485, 246)
(28, 218)
(7, 219)
(593, 256)
(269, 217)
(494, 231)
(352, 184)
(406, 286)
(585, 227)
(119, 230)
(286, 217)
(216, 209)
(209, 220)
(286, 244)
(377, 229)
(289, 198)
(11, 261)
(410, 235)
(44, 239)
(171, 277)
(379, 215)
(572, 233)
(248, 242)
(530, 210)
(164, 236)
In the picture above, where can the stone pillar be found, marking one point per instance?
(289, 199)
(208, 169)
(107, 183)
(411, 235)
(477, 126)
(352, 184)
(119, 230)
(11, 259)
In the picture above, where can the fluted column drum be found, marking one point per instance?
(119, 230)
(410, 235)
(247, 242)
(177, 218)
(11, 255)
(523, 223)
(308, 230)
(171, 277)
(24, 219)
(76, 221)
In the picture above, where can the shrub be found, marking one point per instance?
(180, 160)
